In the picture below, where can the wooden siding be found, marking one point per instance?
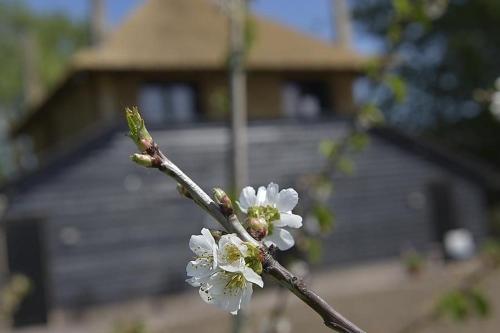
(118, 231)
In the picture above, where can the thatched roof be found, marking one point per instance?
(193, 34)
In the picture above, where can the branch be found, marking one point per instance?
(331, 318)
(152, 157)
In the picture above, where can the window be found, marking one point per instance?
(163, 104)
(307, 100)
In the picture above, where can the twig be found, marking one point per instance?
(152, 157)
(331, 318)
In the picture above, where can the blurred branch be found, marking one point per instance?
(151, 156)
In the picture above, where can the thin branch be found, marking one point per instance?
(154, 158)
(330, 316)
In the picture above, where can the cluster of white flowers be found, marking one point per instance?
(226, 271)
(223, 271)
(274, 209)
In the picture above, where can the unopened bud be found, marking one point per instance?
(223, 200)
(143, 159)
(184, 192)
(257, 227)
(137, 129)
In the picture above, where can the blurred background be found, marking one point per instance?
(383, 114)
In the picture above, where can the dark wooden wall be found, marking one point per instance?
(117, 231)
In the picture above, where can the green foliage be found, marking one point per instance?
(325, 217)
(137, 129)
(329, 148)
(370, 115)
(345, 165)
(358, 141)
(372, 67)
(454, 304)
(413, 262)
(491, 252)
(323, 188)
(461, 305)
(250, 33)
(410, 11)
(403, 8)
(398, 87)
(219, 101)
(12, 295)
(445, 51)
(480, 303)
(314, 250)
(56, 38)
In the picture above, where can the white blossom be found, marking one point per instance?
(221, 270)
(205, 262)
(276, 208)
(230, 291)
(231, 253)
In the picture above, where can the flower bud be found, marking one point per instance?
(183, 191)
(257, 227)
(223, 200)
(143, 159)
(137, 129)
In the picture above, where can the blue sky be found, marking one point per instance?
(311, 16)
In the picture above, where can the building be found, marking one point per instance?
(171, 55)
(89, 226)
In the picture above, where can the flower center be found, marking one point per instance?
(236, 281)
(268, 213)
(232, 253)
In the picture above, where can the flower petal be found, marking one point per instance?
(247, 198)
(204, 244)
(253, 277)
(235, 240)
(231, 242)
(289, 220)
(281, 238)
(208, 236)
(272, 194)
(195, 282)
(287, 200)
(215, 292)
(246, 295)
(205, 293)
(261, 196)
(197, 268)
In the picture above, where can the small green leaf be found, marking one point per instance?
(328, 148)
(480, 302)
(346, 166)
(403, 8)
(137, 129)
(394, 33)
(314, 250)
(370, 115)
(455, 305)
(397, 86)
(373, 67)
(325, 217)
(358, 141)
